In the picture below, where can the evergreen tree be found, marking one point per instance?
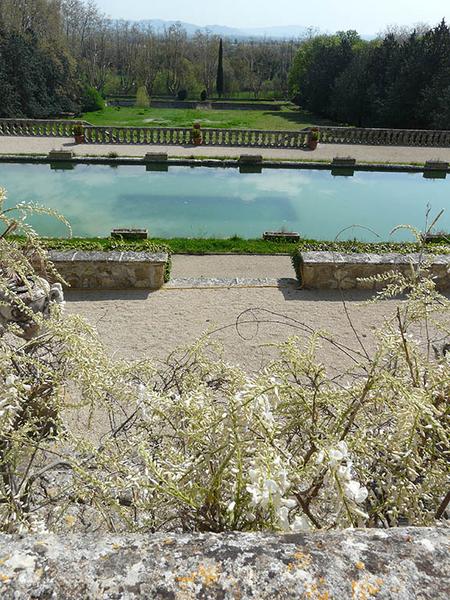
(399, 81)
(219, 82)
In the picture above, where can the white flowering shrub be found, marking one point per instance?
(91, 443)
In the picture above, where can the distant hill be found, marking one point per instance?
(277, 32)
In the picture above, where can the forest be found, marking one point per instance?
(401, 80)
(61, 57)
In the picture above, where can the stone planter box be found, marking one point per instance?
(66, 155)
(156, 157)
(250, 159)
(435, 169)
(130, 234)
(332, 270)
(110, 270)
(281, 236)
(436, 165)
(343, 162)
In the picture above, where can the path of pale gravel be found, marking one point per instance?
(135, 323)
(391, 154)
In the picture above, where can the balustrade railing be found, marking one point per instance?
(246, 138)
(42, 128)
(178, 136)
(384, 137)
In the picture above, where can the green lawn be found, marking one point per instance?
(287, 118)
(236, 245)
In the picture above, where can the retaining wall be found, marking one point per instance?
(400, 564)
(333, 270)
(110, 270)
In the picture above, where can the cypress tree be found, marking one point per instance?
(219, 82)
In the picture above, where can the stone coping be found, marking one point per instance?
(391, 258)
(107, 256)
(226, 282)
(400, 564)
(326, 165)
(111, 270)
(335, 270)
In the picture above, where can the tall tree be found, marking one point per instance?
(219, 82)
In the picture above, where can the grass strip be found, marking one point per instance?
(237, 245)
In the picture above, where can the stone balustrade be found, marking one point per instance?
(38, 128)
(247, 138)
(384, 137)
(181, 136)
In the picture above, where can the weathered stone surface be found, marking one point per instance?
(60, 155)
(400, 564)
(333, 270)
(250, 159)
(343, 161)
(130, 234)
(226, 282)
(111, 270)
(157, 157)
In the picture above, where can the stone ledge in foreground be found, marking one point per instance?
(334, 270)
(110, 270)
(400, 564)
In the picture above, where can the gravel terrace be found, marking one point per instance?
(376, 154)
(135, 323)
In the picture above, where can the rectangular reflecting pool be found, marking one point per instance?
(218, 202)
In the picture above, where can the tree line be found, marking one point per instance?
(54, 53)
(61, 56)
(401, 80)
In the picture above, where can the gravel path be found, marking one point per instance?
(232, 265)
(392, 154)
(136, 323)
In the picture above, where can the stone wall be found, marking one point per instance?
(397, 564)
(332, 270)
(111, 270)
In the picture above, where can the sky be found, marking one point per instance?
(366, 16)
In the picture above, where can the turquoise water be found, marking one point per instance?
(210, 202)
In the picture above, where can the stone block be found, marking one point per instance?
(393, 564)
(155, 157)
(281, 236)
(345, 161)
(436, 165)
(111, 270)
(250, 159)
(60, 155)
(333, 270)
(129, 234)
